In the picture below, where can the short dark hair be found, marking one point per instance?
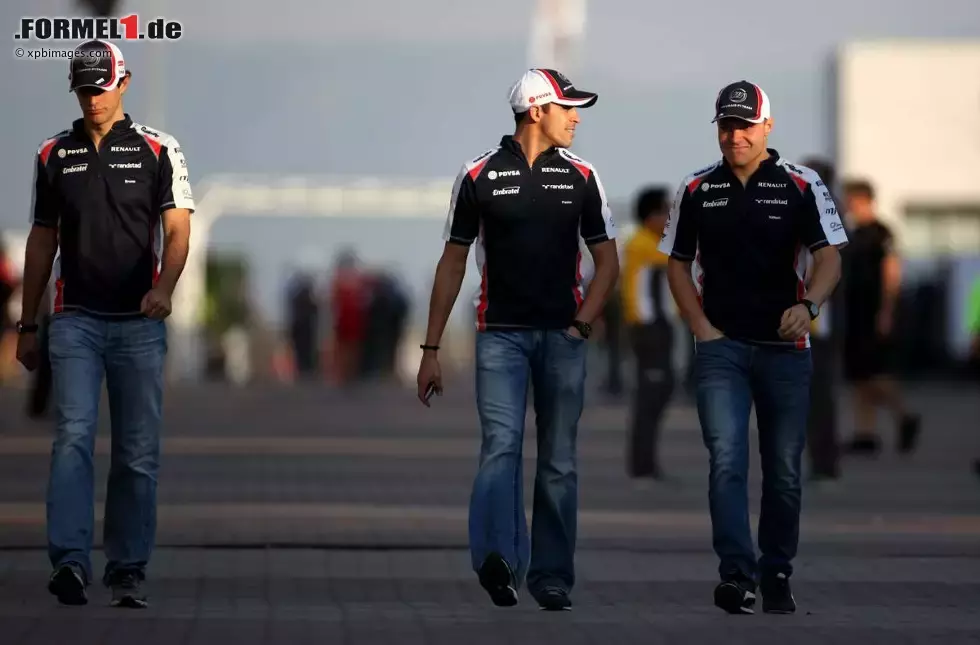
(519, 116)
(822, 167)
(860, 187)
(650, 200)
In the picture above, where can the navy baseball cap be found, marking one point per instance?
(742, 100)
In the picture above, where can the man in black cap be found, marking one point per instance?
(752, 243)
(527, 203)
(111, 199)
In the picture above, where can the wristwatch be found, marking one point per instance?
(26, 329)
(583, 328)
(811, 307)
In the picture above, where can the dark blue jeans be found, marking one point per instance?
(130, 355)
(730, 376)
(554, 363)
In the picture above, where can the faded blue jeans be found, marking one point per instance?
(553, 362)
(130, 355)
(731, 375)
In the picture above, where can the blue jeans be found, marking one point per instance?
(730, 376)
(554, 363)
(130, 354)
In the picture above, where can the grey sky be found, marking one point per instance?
(391, 87)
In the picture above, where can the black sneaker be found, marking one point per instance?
(497, 578)
(554, 599)
(863, 446)
(126, 590)
(908, 433)
(68, 584)
(735, 597)
(777, 597)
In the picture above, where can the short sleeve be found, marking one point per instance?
(463, 218)
(819, 222)
(175, 187)
(887, 241)
(597, 223)
(680, 236)
(44, 201)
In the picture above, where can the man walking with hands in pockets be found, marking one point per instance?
(527, 203)
(752, 241)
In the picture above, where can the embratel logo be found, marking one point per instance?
(124, 28)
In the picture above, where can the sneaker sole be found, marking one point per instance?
(495, 579)
(68, 590)
(129, 602)
(555, 607)
(729, 598)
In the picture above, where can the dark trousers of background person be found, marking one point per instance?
(822, 443)
(613, 318)
(305, 355)
(39, 398)
(653, 350)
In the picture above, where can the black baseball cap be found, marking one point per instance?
(96, 63)
(742, 100)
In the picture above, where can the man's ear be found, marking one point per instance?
(768, 126)
(124, 82)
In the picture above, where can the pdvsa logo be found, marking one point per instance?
(493, 174)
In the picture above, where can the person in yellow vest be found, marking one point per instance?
(648, 312)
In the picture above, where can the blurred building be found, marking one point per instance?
(908, 120)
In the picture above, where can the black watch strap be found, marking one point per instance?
(23, 328)
(583, 327)
(812, 308)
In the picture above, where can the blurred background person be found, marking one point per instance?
(39, 396)
(302, 316)
(612, 340)
(647, 311)
(872, 279)
(973, 327)
(387, 312)
(822, 444)
(8, 338)
(348, 303)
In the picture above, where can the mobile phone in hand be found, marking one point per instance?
(429, 391)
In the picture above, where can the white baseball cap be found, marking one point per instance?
(742, 100)
(96, 63)
(541, 86)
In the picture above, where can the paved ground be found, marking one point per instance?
(312, 515)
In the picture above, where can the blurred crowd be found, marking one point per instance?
(348, 324)
(347, 328)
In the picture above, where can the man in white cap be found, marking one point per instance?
(526, 203)
(111, 199)
(752, 241)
